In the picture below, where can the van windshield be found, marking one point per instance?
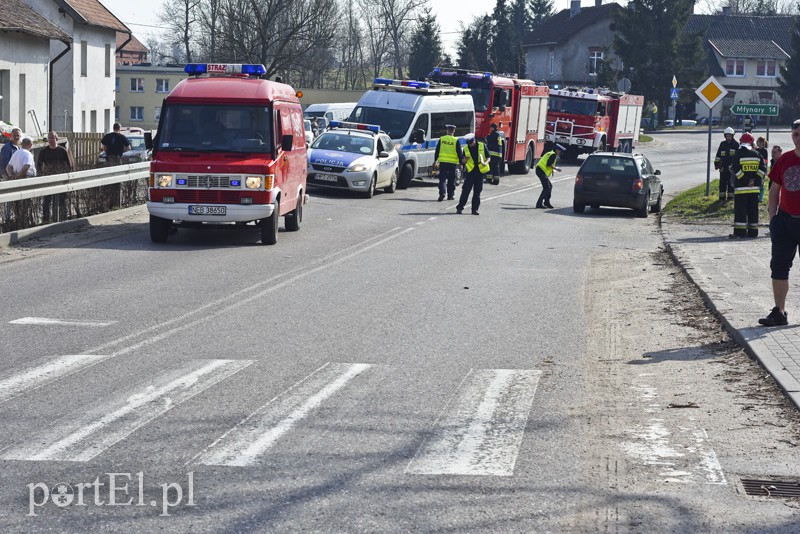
(575, 106)
(211, 128)
(392, 121)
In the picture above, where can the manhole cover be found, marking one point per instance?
(771, 488)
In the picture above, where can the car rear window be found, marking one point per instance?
(610, 165)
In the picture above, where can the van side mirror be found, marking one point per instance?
(383, 154)
(658, 172)
(418, 136)
(148, 140)
(286, 142)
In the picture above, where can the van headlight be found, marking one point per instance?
(358, 167)
(252, 182)
(165, 180)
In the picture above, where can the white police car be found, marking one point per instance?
(355, 157)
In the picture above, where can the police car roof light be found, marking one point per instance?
(418, 85)
(437, 70)
(487, 74)
(464, 85)
(386, 81)
(355, 126)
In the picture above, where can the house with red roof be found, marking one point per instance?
(84, 75)
(26, 64)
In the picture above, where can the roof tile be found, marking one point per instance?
(19, 17)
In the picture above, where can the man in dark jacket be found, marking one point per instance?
(722, 162)
(494, 142)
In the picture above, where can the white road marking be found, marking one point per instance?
(480, 434)
(45, 373)
(107, 423)
(244, 443)
(46, 321)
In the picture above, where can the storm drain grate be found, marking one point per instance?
(772, 488)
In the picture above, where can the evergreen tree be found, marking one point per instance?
(520, 24)
(473, 53)
(502, 54)
(539, 11)
(653, 46)
(789, 79)
(426, 46)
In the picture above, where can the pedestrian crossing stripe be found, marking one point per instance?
(258, 432)
(106, 423)
(44, 373)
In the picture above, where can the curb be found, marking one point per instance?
(10, 238)
(770, 364)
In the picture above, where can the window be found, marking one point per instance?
(137, 85)
(108, 60)
(137, 113)
(157, 114)
(84, 52)
(116, 115)
(734, 67)
(595, 59)
(462, 120)
(116, 84)
(162, 85)
(766, 68)
(551, 62)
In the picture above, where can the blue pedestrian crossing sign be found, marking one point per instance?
(673, 93)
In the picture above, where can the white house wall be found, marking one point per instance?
(24, 56)
(80, 95)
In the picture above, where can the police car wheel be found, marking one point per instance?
(269, 227)
(370, 192)
(406, 175)
(392, 183)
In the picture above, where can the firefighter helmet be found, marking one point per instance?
(746, 139)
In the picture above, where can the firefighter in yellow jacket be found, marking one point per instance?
(476, 165)
(748, 169)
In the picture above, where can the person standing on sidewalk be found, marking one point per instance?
(784, 226)
(722, 162)
(748, 169)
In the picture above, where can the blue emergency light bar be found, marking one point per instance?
(225, 68)
(404, 83)
(355, 126)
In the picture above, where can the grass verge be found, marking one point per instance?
(694, 206)
(645, 138)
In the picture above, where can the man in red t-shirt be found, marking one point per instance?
(784, 225)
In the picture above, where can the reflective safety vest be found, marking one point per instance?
(483, 159)
(447, 149)
(495, 144)
(548, 170)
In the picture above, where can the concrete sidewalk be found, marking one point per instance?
(734, 277)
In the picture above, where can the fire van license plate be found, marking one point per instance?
(207, 210)
(327, 178)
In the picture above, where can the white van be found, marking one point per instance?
(339, 111)
(415, 115)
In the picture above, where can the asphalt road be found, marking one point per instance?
(392, 366)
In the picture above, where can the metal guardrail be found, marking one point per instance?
(39, 186)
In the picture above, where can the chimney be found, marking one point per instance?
(598, 3)
(726, 10)
(574, 8)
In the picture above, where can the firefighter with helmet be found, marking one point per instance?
(494, 142)
(722, 162)
(748, 170)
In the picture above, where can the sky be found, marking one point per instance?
(141, 16)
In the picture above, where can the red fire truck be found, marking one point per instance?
(587, 120)
(518, 107)
(229, 149)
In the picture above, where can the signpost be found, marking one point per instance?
(763, 110)
(711, 92)
(673, 95)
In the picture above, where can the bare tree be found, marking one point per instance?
(179, 17)
(377, 34)
(763, 7)
(400, 17)
(351, 61)
(209, 15)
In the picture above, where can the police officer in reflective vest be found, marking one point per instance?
(544, 170)
(448, 155)
(494, 142)
(725, 152)
(476, 163)
(748, 169)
